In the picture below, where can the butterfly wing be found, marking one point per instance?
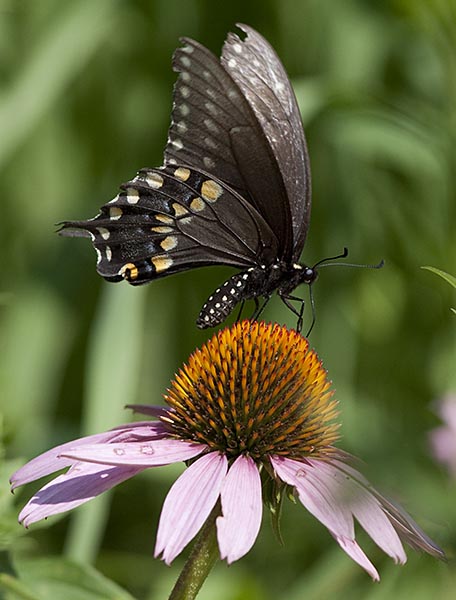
(216, 129)
(173, 219)
(259, 73)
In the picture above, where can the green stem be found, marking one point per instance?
(202, 558)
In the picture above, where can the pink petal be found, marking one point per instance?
(316, 497)
(443, 445)
(152, 429)
(447, 410)
(326, 499)
(375, 522)
(364, 506)
(355, 552)
(150, 453)
(81, 483)
(443, 439)
(408, 529)
(189, 503)
(238, 528)
(52, 460)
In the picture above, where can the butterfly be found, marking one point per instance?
(234, 189)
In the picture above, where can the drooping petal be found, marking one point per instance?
(376, 523)
(81, 483)
(147, 453)
(238, 527)
(319, 500)
(356, 553)
(52, 460)
(320, 495)
(364, 506)
(409, 530)
(189, 503)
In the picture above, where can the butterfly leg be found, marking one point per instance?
(299, 313)
(259, 309)
(256, 311)
(241, 308)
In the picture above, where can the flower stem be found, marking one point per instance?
(200, 562)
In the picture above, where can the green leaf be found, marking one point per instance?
(76, 32)
(16, 588)
(53, 578)
(449, 278)
(112, 381)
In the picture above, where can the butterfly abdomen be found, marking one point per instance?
(224, 299)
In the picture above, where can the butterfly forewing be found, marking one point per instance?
(171, 219)
(214, 128)
(258, 71)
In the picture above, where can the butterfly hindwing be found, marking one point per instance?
(259, 73)
(172, 219)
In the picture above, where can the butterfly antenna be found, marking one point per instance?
(314, 313)
(329, 262)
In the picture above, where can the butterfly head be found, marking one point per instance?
(296, 275)
(305, 274)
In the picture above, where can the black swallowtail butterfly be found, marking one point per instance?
(234, 188)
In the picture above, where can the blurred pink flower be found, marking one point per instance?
(443, 439)
(253, 405)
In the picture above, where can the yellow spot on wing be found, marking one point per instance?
(161, 263)
(179, 210)
(211, 190)
(165, 219)
(132, 196)
(182, 173)
(197, 205)
(155, 180)
(104, 232)
(162, 229)
(115, 213)
(169, 242)
(129, 271)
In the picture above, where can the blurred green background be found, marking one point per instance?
(85, 101)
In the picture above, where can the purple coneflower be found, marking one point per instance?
(443, 439)
(251, 411)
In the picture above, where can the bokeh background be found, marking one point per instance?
(85, 102)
